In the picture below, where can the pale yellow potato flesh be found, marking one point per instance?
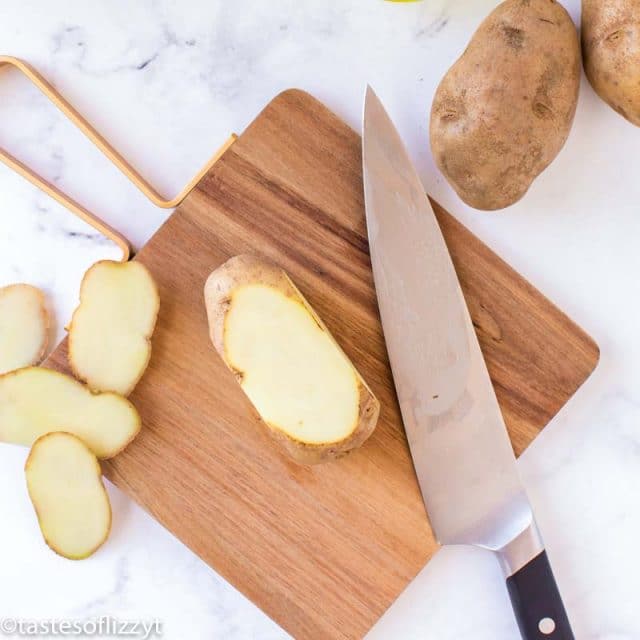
(292, 371)
(315, 403)
(24, 326)
(109, 334)
(64, 481)
(35, 401)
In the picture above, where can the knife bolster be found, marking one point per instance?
(521, 550)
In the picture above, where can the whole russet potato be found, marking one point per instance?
(504, 110)
(611, 53)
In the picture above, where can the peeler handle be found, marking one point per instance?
(112, 154)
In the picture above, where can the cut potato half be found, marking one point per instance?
(314, 401)
(64, 481)
(109, 334)
(24, 326)
(35, 401)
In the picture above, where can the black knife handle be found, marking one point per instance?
(537, 603)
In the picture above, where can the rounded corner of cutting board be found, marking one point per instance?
(292, 95)
(291, 101)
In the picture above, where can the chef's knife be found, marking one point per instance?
(461, 451)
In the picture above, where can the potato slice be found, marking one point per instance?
(64, 481)
(109, 335)
(35, 401)
(315, 403)
(24, 326)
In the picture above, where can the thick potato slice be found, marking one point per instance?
(65, 486)
(109, 335)
(24, 326)
(315, 403)
(35, 401)
(611, 53)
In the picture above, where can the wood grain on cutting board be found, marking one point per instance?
(324, 550)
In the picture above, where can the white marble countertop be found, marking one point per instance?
(166, 82)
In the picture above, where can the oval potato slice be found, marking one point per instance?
(64, 481)
(35, 401)
(110, 331)
(24, 326)
(303, 386)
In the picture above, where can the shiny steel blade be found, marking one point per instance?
(461, 451)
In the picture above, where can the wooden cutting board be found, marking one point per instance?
(325, 550)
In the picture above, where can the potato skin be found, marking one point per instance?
(504, 110)
(247, 269)
(611, 53)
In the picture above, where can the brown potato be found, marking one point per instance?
(504, 110)
(611, 53)
(305, 389)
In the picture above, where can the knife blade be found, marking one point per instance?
(463, 459)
